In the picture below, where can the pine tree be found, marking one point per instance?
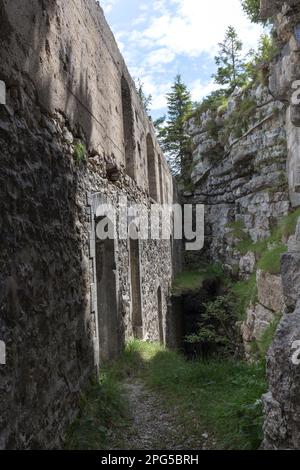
(229, 61)
(145, 99)
(176, 142)
(252, 8)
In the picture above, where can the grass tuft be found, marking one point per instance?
(192, 280)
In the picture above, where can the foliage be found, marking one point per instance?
(80, 152)
(231, 66)
(175, 141)
(212, 102)
(219, 397)
(239, 120)
(270, 260)
(160, 129)
(217, 332)
(258, 66)
(262, 345)
(145, 99)
(238, 230)
(286, 227)
(103, 409)
(252, 8)
(246, 292)
(189, 281)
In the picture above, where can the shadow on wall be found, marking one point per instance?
(44, 277)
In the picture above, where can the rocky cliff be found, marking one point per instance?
(246, 163)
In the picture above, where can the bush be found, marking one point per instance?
(80, 152)
(217, 332)
(252, 8)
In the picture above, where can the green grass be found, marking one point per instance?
(246, 293)
(221, 397)
(261, 346)
(267, 251)
(270, 260)
(103, 411)
(192, 280)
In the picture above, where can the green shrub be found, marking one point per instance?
(217, 333)
(80, 152)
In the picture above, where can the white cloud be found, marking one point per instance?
(107, 5)
(160, 56)
(196, 26)
(167, 33)
(200, 90)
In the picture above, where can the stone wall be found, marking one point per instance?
(67, 301)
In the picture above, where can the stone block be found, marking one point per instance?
(270, 291)
(290, 272)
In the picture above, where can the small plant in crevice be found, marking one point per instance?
(80, 152)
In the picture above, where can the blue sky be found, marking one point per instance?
(161, 38)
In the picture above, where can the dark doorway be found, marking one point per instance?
(136, 300)
(151, 168)
(160, 315)
(128, 126)
(108, 322)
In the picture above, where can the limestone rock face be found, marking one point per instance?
(270, 291)
(240, 175)
(258, 319)
(290, 268)
(247, 265)
(282, 403)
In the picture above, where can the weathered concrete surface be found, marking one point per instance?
(63, 75)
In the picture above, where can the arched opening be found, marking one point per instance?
(128, 127)
(108, 321)
(151, 168)
(136, 299)
(161, 182)
(160, 315)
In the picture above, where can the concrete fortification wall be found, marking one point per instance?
(73, 134)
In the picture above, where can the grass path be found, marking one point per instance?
(151, 426)
(152, 398)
